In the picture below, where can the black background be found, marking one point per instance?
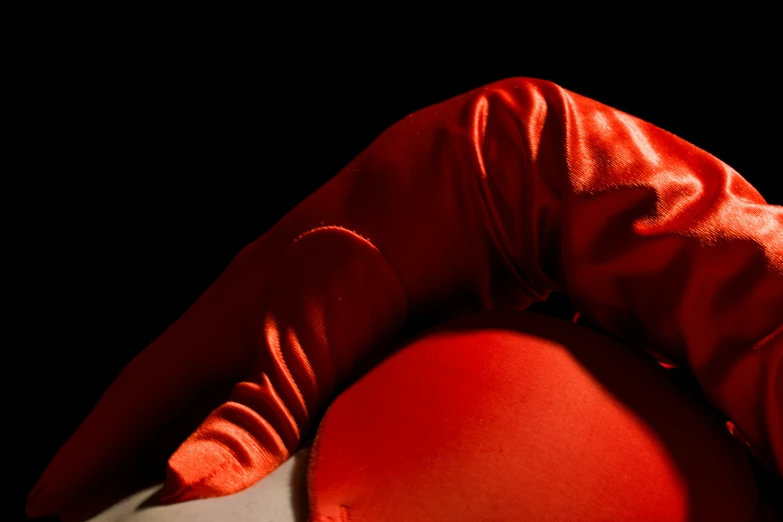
(143, 162)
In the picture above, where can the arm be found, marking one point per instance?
(491, 199)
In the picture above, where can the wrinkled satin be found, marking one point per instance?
(490, 200)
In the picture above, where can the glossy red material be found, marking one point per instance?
(490, 200)
(516, 416)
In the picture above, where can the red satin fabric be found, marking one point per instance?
(490, 200)
(518, 417)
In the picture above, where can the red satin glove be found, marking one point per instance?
(492, 199)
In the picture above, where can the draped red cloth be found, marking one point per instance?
(491, 200)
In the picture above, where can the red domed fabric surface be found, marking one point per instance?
(518, 416)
